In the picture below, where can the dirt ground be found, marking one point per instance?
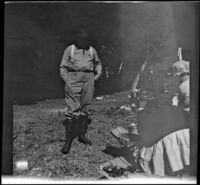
(39, 135)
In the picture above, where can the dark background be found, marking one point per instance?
(36, 34)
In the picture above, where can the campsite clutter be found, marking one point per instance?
(132, 138)
(122, 119)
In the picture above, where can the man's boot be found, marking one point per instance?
(68, 123)
(84, 121)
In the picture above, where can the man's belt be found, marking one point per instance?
(69, 69)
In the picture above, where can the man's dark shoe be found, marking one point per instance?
(83, 122)
(68, 123)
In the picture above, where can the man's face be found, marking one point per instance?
(82, 33)
(82, 39)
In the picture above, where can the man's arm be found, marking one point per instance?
(98, 66)
(63, 64)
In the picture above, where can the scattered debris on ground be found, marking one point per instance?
(38, 135)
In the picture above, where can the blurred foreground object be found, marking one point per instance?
(165, 132)
(169, 155)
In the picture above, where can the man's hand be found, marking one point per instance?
(97, 76)
(64, 77)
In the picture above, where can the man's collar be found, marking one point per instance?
(76, 47)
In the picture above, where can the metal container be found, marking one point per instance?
(133, 128)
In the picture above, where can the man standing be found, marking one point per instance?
(79, 68)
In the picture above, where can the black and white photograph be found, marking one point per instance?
(100, 92)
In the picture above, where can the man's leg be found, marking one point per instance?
(86, 100)
(72, 99)
(83, 122)
(69, 131)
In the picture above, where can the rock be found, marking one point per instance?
(99, 98)
(127, 108)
